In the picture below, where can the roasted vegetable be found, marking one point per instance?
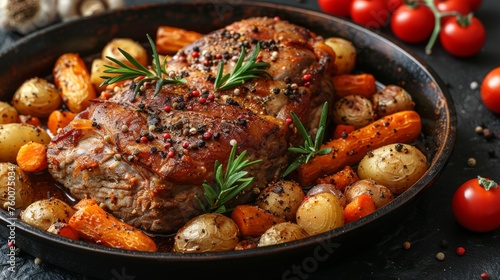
(59, 119)
(16, 191)
(36, 97)
(253, 221)
(401, 127)
(396, 166)
(96, 225)
(345, 54)
(355, 110)
(208, 232)
(64, 230)
(8, 114)
(381, 195)
(282, 198)
(281, 233)
(359, 207)
(72, 77)
(170, 39)
(320, 213)
(43, 213)
(136, 50)
(14, 135)
(392, 99)
(328, 188)
(340, 179)
(32, 157)
(354, 84)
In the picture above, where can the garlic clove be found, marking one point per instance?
(27, 15)
(69, 9)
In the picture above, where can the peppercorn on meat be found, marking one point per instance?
(145, 157)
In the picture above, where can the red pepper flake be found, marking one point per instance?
(460, 251)
(167, 108)
(218, 56)
(207, 135)
(195, 54)
(10, 244)
(289, 121)
(195, 93)
(207, 63)
(167, 145)
(306, 77)
(185, 144)
(144, 139)
(277, 18)
(211, 97)
(202, 100)
(171, 154)
(166, 136)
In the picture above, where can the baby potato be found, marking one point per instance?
(72, 77)
(321, 188)
(345, 52)
(15, 187)
(14, 135)
(43, 213)
(36, 97)
(355, 110)
(281, 233)
(381, 195)
(392, 99)
(132, 47)
(207, 233)
(8, 114)
(97, 71)
(282, 198)
(319, 213)
(396, 166)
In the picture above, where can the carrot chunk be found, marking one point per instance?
(359, 207)
(252, 220)
(32, 157)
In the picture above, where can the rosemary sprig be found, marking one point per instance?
(126, 72)
(311, 148)
(227, 185)
(242, 72)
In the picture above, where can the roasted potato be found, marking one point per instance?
(381, 195)
(345, 52)
(207, 233)
(15, 187)
(136, 50)
(281, 198)
(43, 213)
(392, 99)
(330, 188)
(36, 97)
(319, 213)
(281, 233)
(355, 110)
(396, 166)
(97, 72)
(8, 114)
(14, 135)
(72, 77)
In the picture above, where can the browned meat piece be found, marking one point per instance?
(145, 159)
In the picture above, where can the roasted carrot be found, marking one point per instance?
(341, 130)
(340, 179)
(96, 225)
(403, 127)
(64, 230)
(359, 207)
(359, 84)
(32, 157)
(72, 77)
(59, 119)
(170, 39)
(252, 220)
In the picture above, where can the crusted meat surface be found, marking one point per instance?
(144, 159)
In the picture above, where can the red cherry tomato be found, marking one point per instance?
(460, 6)
(475, 207)
(490, 90)
(369, 13)
(462, 36)
(392, 5)
(412, 23)
(474, 4)
(335, 7)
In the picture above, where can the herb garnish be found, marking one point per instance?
(310, 148)
(241, 72)
(227, 185)
(127, 72)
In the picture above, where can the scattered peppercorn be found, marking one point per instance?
(460, 251)
(406, 245)
(485, 276)
(471, 162)
(479, 129)
(440, 256)
(487, 133)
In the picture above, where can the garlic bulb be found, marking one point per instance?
(25, 16)
(70, 9)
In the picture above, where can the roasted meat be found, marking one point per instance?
(145, 158)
